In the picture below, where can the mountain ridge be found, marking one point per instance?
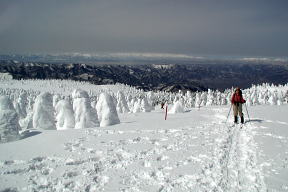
(164, 77)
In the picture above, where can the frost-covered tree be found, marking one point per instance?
(31, 101)
(21, 105)
(151, 99)
(137, 106)
(198, 100)
(25, 111)
(203, 98)
(286, 97)
(122, 106)
(85, 115)
(106, 109)
(261, 98)
(189, 100)
(177, 108)
(43, 112)
(210, 98)
(273, 99)
(64, 115)
(27, 122)
(56, 98)
(145, 106)
(254, 98)
(9, 127)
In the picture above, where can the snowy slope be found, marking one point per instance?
(192, 151)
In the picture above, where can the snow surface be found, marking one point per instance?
(194, 150)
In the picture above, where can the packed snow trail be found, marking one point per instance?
(234, 165)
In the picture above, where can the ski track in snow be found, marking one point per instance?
(234, 165)
(150, 162)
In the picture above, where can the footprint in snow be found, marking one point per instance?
(70, 161)
(70, 174)
(11, 162)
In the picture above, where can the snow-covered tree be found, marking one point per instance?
(210, 98)
(189, 100)
(106, 109)
(56, 98)
(21, 105)
(43, 112)
(122, 106)
(85, 115)
(198, 100)
(273, 99)
(177, 108)
(9, 127)
(203, 98)
(64, 115)
(151, 99)
(145, 106)
(137, 106)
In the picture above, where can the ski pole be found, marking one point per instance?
(247, 112)
(228, 114)
(166, 110)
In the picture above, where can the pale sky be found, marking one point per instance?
(195, 27)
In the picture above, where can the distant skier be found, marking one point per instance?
(237, 101)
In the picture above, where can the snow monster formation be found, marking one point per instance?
(137, 106)
(85, 115)
(9, 127)
(145, 106)
(177, 108)
(43, 112)
(122, 106)
(20, 105)
(64, 115)
(106, 109)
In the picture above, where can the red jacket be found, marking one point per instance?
(237, 99)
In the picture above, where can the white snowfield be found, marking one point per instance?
(193, 150)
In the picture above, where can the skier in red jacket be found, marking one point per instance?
(237, 101)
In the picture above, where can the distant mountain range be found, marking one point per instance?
(156, 72)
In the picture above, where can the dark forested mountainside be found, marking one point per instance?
(172, 77)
